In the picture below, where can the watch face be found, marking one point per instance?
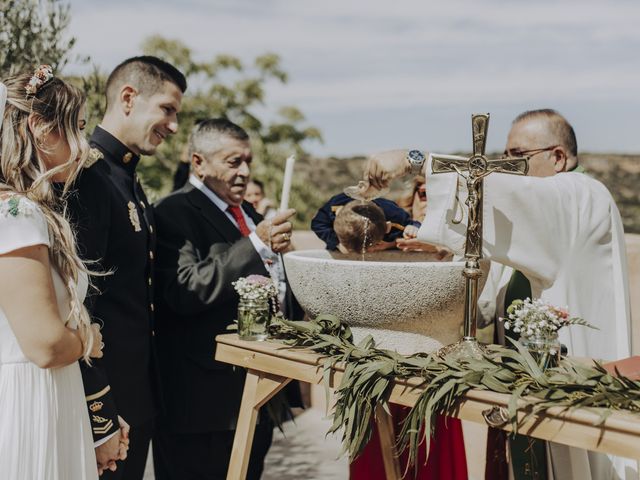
(416, 155)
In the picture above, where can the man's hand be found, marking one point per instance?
(108, 453)
(124, 437)
(383, 167)
(415, 245)
(113, 449)
(276, 232)
(380, 246)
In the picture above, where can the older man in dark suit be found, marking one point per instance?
(207, 238)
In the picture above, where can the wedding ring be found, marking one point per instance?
(285, 237)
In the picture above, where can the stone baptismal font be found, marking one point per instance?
(408, 301)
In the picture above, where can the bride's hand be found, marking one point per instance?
(97, 346)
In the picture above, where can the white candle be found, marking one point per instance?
(286, 183)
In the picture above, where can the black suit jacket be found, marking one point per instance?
(115, 229)
(200, 252)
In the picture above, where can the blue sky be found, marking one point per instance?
(376, 74)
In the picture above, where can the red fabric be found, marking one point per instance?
(237, 214)
(496, 466)
(447, 460)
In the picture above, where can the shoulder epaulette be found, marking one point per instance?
(94, 156)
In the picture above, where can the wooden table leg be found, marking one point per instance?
(386, 431)
(259, 388)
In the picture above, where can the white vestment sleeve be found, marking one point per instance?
(563, 232)
(525, 226)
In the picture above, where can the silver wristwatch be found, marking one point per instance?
(416, 160)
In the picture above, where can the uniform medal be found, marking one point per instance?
(133, 217)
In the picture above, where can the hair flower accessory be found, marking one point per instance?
(42, 75)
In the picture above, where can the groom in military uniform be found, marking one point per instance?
(116, 231)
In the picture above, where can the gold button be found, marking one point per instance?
(151, 307)
(150, 281)
(142, 204)
(150, 254)
(151, 228)
(153, 333)
(127, 157)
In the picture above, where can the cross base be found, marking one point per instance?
(465, 348)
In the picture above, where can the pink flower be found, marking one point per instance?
(258, 280)
(561, 313)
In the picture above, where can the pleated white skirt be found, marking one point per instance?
(44, 424)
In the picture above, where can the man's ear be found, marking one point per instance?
(127, 98)
(197, 162)
(560, 160)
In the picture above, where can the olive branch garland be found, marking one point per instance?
(369, 373)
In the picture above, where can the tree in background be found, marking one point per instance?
(35, 31)
(225, 87)
(32, 32)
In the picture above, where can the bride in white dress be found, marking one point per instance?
(44, 328)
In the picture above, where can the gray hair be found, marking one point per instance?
(558, 125)
(206, 135)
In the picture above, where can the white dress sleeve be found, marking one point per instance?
(22, 224)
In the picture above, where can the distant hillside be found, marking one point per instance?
(620, 173)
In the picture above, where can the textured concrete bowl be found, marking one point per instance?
(409, 302)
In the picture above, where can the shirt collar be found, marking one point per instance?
(217, 201)
(117, 152)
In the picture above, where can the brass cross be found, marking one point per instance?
(477, 166)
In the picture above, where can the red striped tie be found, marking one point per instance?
(237, 214)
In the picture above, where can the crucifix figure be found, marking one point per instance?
(473, 170)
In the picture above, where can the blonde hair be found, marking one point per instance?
(54, 108)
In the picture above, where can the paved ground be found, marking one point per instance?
(303, 452)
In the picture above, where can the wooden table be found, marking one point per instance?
(271, 365)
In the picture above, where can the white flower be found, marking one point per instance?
(255, 287)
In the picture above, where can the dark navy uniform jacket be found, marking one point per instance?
(322, 223)
(115, 228)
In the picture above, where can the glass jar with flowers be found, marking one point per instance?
(538, 323)
(257, 293)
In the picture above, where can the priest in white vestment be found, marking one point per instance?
(563, 232)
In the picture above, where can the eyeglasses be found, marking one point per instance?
(514, 152)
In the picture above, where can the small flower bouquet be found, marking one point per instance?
(538, 323)
(256, 293)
